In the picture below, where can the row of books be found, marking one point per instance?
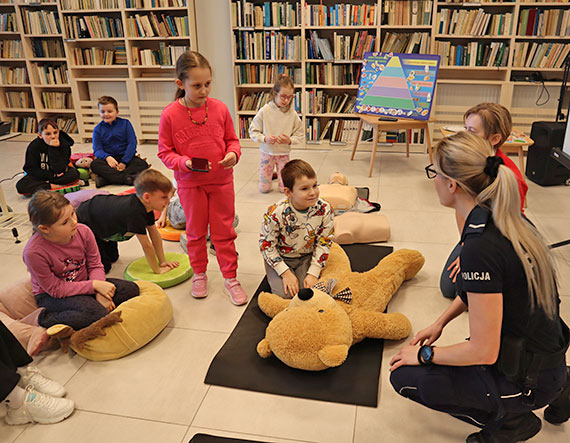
(340, 15)
(89, 4)
(332, 74)
(254, 101)
(13, 76)
(138, 4)
(19, 99)
(490, 54)
(544, 22)
(490, 1)
(57, 100)
(26, 125)
(540, 55)
(90, 26)
(334, 130)
(68, 125)
(247, 14)
(41, 22)
(345, 50)
(267, 45)
(406, 43)
(11, 49)
(414, 13)
(319, 102)
(100, 56)
(163, 56)
(267, 73)
(8, 22)
(243, 127)
(142, 25)
(47, 48)
(474, 22)
(52, 74)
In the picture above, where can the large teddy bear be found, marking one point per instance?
(315, 329)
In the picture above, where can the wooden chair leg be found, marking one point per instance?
(358, 133)
(408, 136)
(428, 142)
(521, 159)
(375, 144)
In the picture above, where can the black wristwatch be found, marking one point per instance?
(425, 355)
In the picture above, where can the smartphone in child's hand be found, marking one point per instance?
(200, 164)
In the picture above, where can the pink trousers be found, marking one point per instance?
(210, 205)
(267, 164)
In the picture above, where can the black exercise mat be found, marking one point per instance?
(237, 364)
(207, 438)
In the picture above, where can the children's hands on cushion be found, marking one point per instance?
(229, 161)
(310, 281)
(170, 264)
(105, 302)
(105, 288)
(290, 283)
(112, 162)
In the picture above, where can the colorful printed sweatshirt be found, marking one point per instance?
(288, 233)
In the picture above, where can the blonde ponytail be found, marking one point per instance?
(463, 157)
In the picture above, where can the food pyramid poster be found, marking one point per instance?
(397, 85)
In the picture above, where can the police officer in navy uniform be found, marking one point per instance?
(514, 359)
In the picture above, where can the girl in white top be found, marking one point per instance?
(276, 126)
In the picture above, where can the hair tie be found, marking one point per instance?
(492, 166)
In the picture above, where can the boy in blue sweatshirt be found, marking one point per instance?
(115, 146)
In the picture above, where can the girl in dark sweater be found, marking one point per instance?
(47, 160)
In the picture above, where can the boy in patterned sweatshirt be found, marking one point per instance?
(296, 233)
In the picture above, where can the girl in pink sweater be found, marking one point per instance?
(63, 260)
(197, 140)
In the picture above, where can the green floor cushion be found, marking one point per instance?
(83, 173)
(143, 319)
(140, 270)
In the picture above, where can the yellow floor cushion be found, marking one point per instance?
(143, 319)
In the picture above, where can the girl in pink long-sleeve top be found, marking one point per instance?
(62, 257)
(197, 140)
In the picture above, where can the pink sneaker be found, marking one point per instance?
(235, 291)
(200, 285)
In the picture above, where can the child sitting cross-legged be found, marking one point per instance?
(296, 233)
(114, 218)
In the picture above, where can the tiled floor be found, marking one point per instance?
(158, 395)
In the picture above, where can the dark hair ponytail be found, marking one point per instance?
(187, 61)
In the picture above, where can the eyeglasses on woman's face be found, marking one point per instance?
(430, 171)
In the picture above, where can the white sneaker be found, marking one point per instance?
(39, 408)
(34, 378)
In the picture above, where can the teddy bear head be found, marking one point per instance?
(312, 333)
(84, 162)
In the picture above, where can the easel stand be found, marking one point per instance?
(382, 125)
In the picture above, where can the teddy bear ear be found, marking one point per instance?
(333, 355)
(263, 349)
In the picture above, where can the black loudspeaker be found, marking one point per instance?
(541, 168)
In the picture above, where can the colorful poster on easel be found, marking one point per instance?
(397, 85)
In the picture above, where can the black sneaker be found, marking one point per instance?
(100, 182)
(514, 428)
(558, 411)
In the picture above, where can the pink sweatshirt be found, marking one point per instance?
(64, 270)
(179, 140)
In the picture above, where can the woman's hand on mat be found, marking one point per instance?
(105, 302)
(408, 356)
(454, 267)
(112, 162)
(121, 167)
(229, 161)
(310, 281)
(427, 336)
(290, 283)
(105, 288)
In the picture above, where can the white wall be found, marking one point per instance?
(214, 42)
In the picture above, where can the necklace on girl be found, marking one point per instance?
(190, 114)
